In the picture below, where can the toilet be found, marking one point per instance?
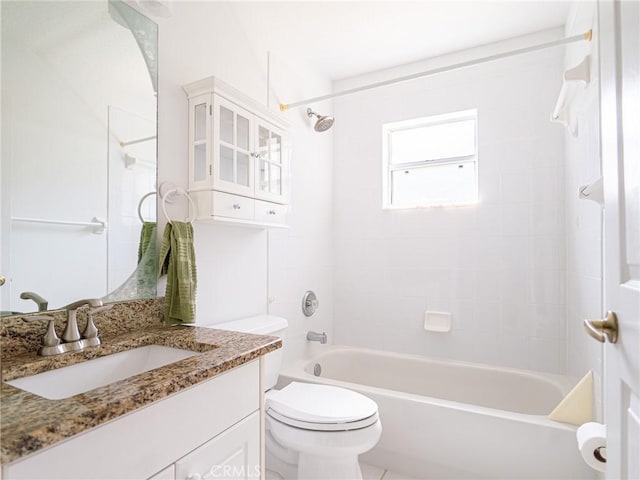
(313, 431)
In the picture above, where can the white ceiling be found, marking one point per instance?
(341, 39)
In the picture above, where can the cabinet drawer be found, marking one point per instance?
(234, 454)
(271, 212)
(233, 206)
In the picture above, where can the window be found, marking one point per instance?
(431, 161)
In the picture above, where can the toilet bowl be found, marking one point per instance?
(313, 432)
(318, 431)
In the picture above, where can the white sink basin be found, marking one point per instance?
(82, 377)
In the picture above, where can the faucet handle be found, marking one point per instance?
(92, 302)
(310, 303)
(42, 303)
(50, 338)
(90, 330)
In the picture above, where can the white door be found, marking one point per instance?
(619, 30)
(200, 170)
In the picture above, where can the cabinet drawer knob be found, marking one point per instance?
(236, 206)
(271, 212)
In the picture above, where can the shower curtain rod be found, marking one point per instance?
(576, 38)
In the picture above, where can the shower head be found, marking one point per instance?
(323, 123)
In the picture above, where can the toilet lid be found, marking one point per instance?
(321, 407)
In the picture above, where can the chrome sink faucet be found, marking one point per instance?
(71, 339)
(71, 332)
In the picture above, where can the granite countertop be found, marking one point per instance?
(29, 423)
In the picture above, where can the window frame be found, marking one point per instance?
(388, 167)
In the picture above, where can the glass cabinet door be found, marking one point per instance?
(199, 141)
(270, 163)
(233, 148)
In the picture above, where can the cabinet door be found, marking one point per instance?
(200, 142)
(271, 163)
(233, 146)
(234, 454)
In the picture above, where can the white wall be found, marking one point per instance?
(498, 267)
(584, 218)
(239, 268)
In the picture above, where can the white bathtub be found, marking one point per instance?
(446, 419)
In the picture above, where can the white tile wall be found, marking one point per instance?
(498, 266)
(300, 258)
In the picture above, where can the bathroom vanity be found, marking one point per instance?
(176, 421)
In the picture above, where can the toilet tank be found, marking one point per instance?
(262, 325)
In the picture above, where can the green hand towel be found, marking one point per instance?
(147, 233)
(178, 261)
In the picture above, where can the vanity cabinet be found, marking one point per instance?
(238, 156)
(215, 424)
(234, 453)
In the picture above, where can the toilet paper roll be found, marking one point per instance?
(592, 443)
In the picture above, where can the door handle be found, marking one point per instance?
(606, 329)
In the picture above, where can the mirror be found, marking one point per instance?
(78, 154)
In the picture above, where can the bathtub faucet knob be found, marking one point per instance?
(310, 303)
(317, 337)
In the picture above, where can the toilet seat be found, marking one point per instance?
(321, 407)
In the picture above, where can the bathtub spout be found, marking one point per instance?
(317, 337)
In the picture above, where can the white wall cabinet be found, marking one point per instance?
(238, 156)
(215, 424)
